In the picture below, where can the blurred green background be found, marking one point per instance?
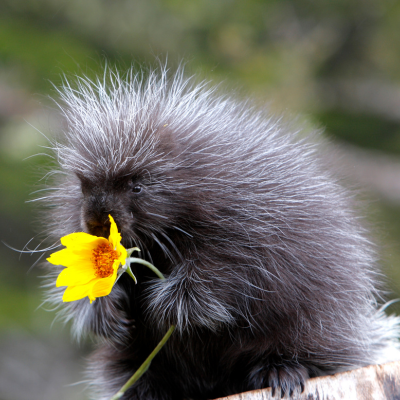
(335, 64)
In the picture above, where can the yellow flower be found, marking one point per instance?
(92, 264)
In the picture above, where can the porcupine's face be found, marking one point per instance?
(145, 205)
(124, 199)
(120, 198)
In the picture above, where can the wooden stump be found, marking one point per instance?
(375, 382)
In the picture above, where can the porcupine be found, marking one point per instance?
(270, 277)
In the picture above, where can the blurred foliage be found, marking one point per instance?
(337, 62)
(265, 43)
(38, 54)
(366, 130)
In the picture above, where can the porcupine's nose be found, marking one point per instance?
(95, 214)
(97, 228)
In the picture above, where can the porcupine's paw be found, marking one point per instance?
(287, 379)
(284, 379)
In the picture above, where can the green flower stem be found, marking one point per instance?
(144, 367)
(148, 265)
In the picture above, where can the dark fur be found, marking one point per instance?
(270, 278)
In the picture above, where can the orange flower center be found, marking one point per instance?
(103, 259)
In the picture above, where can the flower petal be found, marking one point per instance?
(67, 258)
(81, 240)
(76, 276)
(123, 254)
(115, 236)
(78, 292)
(103, 287)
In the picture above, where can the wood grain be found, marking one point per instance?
(375, 382)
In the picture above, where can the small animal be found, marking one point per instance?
(270, 275)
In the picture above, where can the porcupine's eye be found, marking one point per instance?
(134, 187)
(137, 189)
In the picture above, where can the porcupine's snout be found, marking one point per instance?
(97, 206)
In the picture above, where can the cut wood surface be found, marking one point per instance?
(376, 382)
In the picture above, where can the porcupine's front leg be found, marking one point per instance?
(189, 298)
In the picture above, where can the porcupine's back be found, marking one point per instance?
(239, 213)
